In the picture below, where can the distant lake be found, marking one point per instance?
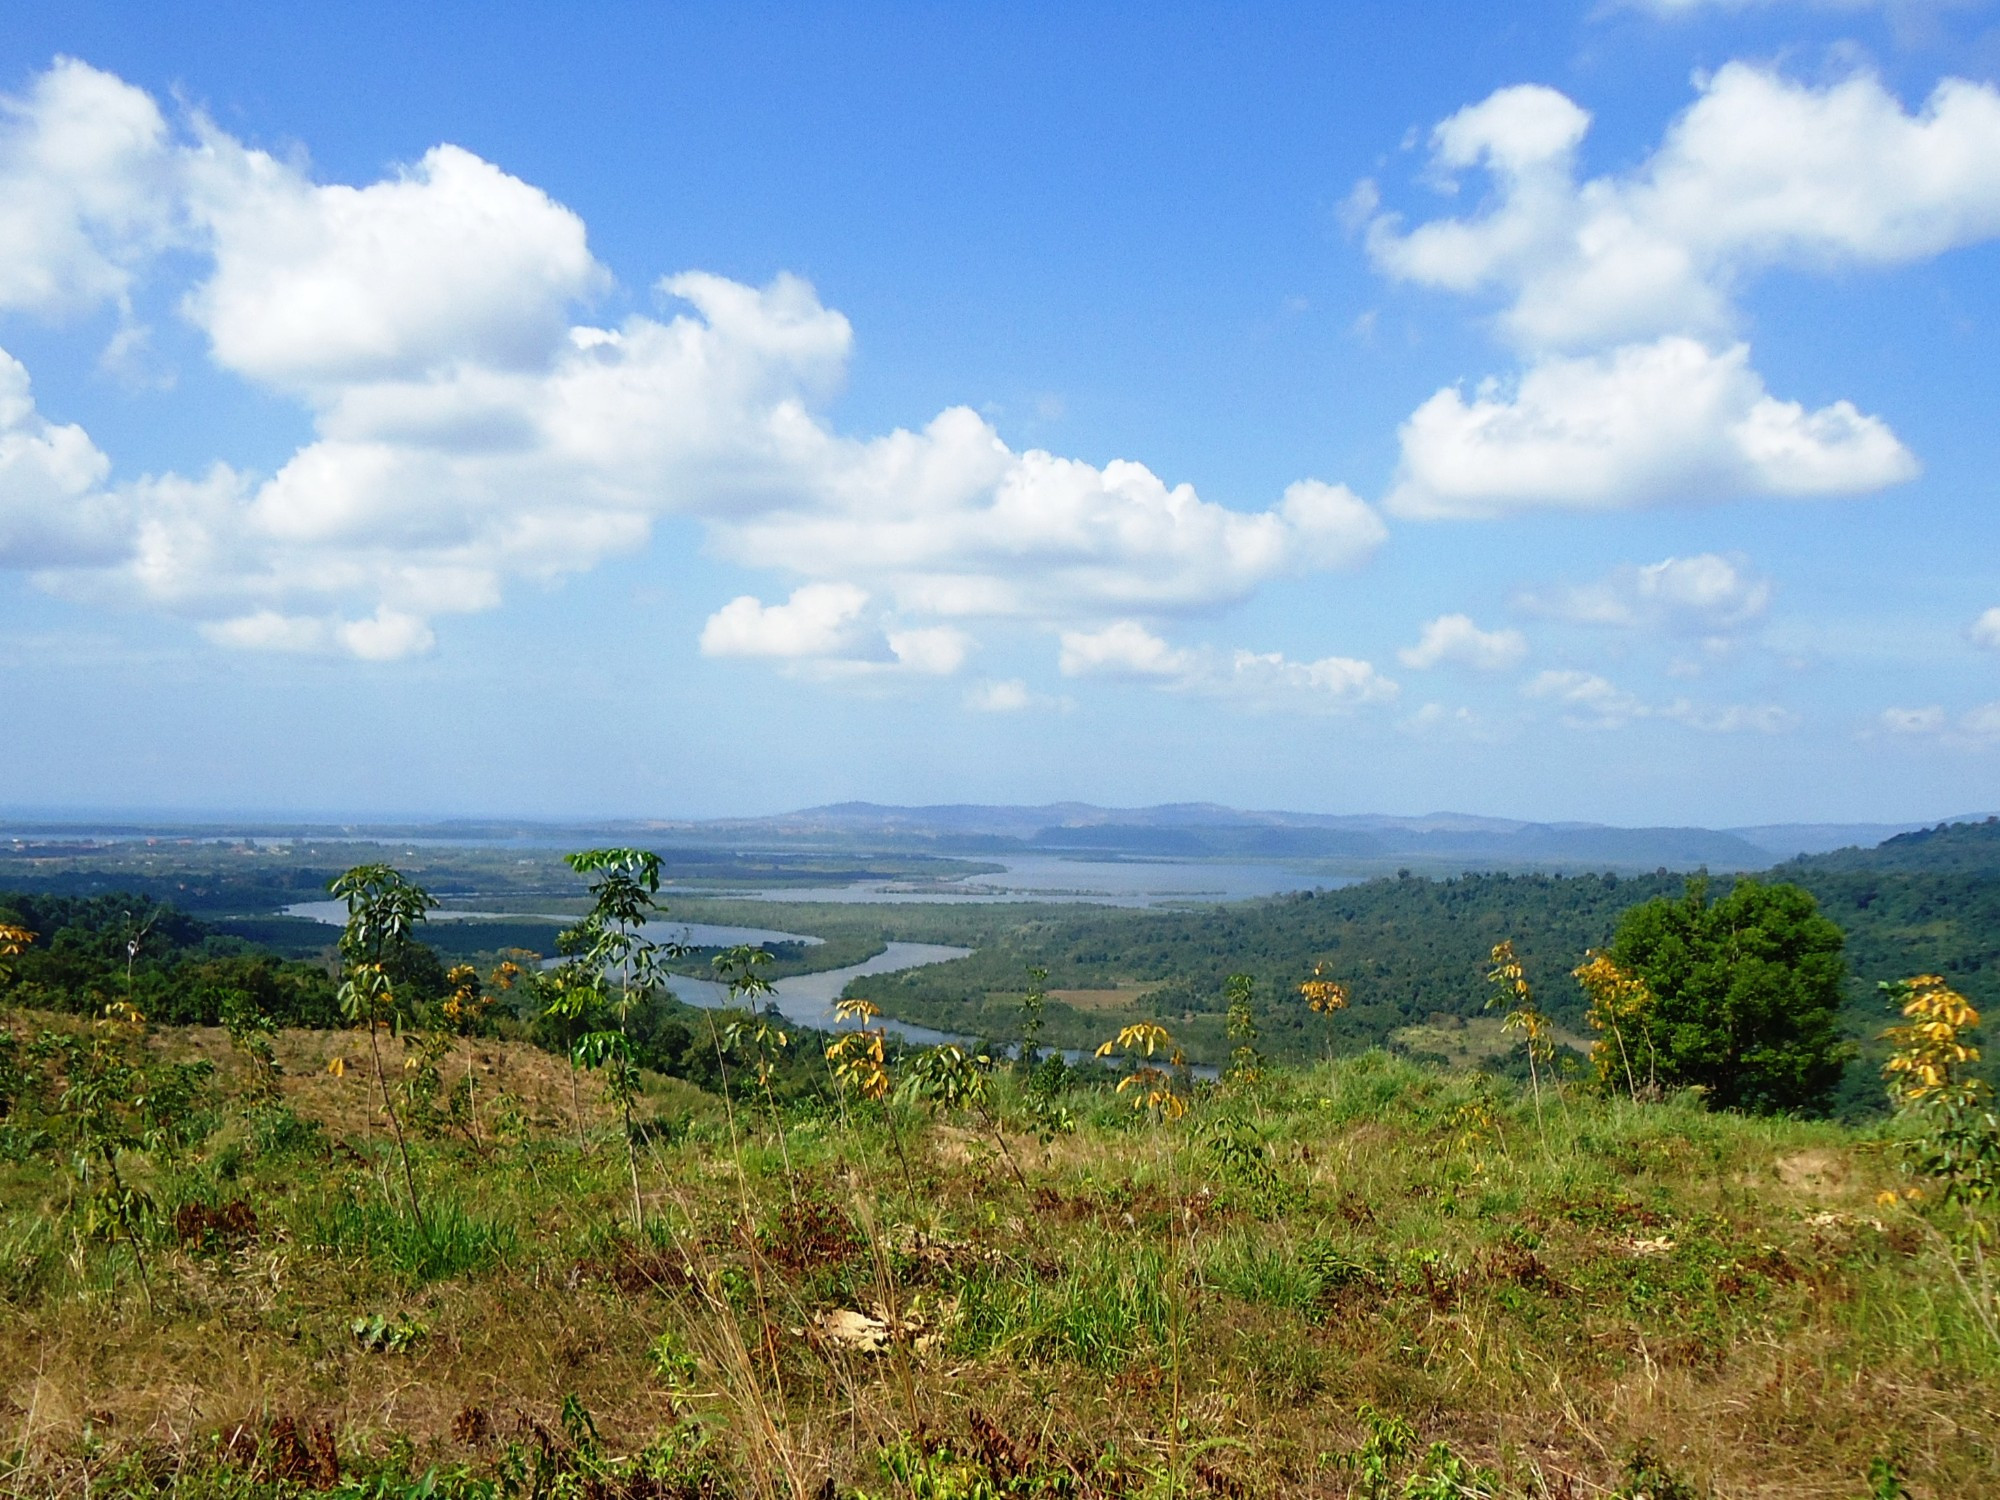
(1098, 882)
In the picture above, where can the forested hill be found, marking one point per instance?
(1411, 949)
(1948, 849)
(92, 950)
(1924, 902)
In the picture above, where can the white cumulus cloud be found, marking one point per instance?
(934, 651)
(449, 262)
(820, 619)
(1728, 718)
(1329, 682)
(1985, 630)
(1706, 594)
(1977, 728)
(89, 183)
(53, 509)
(832, 629)
(1670, 421)
(1454, 640)
(471, 429)
(1759, 171)
(1005, 697)
(1620, 290)
(1126, 649)
(1927, 720)
(386, 635)
(1587, 700)
(955, 523)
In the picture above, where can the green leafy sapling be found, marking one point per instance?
(950, 1078)
(755, 1031)
(383, 909)
(1046, 1115)
(612, 963)
(1034, 1005)
(250, 1030)
(1246, 1063)
(102, 1107)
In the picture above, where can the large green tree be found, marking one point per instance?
(1746, 990)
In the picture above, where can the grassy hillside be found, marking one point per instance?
(1347, 1279)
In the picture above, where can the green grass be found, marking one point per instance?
(1305, 1287)
(447, 1242)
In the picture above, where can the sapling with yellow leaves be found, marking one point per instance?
(1930, 1050)
(1511, 989)
(858, 1057)
(1959, 1142)
(1323, 996)
(1150, 1087)
(14, 942)
(858, 1061)
(1620, 1001)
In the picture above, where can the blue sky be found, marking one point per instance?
(1575, 411)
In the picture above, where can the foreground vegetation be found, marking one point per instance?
(1362, 1278)
(545, 1233)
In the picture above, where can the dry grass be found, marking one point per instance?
(1155, 1314)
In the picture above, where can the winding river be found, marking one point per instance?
(807, 999)
(803, 999)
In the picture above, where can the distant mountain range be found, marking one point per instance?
(1357, 844)
(1363, 842)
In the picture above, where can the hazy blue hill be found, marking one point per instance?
(1204, 830)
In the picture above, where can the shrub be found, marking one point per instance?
(1745, 994)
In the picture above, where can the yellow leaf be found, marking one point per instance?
(338, 1067)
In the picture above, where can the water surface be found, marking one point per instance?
(1096, 882)
(807, 999)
